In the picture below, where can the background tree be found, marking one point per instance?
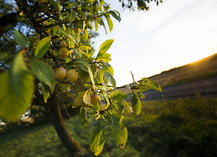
(47, 60)
(139, 4)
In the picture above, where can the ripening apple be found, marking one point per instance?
(63, 44)
(60, 73)
(63, 53)
(40, 1)
(95, 100)
(72, 75)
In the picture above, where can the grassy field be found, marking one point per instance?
(175, 128)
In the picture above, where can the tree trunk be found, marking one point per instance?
(64, 112)
(59, 125)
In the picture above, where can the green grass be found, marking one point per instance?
(185, 127)
(176, 128)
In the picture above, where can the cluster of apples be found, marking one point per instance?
(63, 51)
(60, 73)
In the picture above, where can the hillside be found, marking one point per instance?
(203, 68)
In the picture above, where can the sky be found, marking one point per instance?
(172, 34)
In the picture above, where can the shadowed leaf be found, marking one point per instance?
(16, 87)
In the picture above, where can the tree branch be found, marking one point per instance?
(9, 19)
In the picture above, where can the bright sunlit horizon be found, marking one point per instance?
(172, 34)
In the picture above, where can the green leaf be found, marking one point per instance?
(83, 65)
(91, 76)
(64, 28)
(88, 8)
(46, 91)
(103, 24)
(97, 77)
(105, 8)
(104, 47)
(85, 48)
(101, 3)
(73, 14)
(136, 103)
(20, 39)
(108, 77)
(42, 47)
(16, 90)
(110, 70)
(117, 17)
(86, 66)
(107, 67)
(110, 23)
(87, 97)
(141, 95)
(105, 58)
(126, 106)
(86, 34)
(120, 106)
(83, 116)
(119, 130)
(43, 72)
(64, 33)
(79, 35)
(118, 96)
(148, 84)
(97, 139)
(132, 77)
(96, 25)
(59, 10)
(81, 13)
(79, 99)
(75, 4)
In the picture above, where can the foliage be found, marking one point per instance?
(54, 25)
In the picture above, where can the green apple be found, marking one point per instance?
(72, 75)
(63, 44)
(60, 73)
(63, 53)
